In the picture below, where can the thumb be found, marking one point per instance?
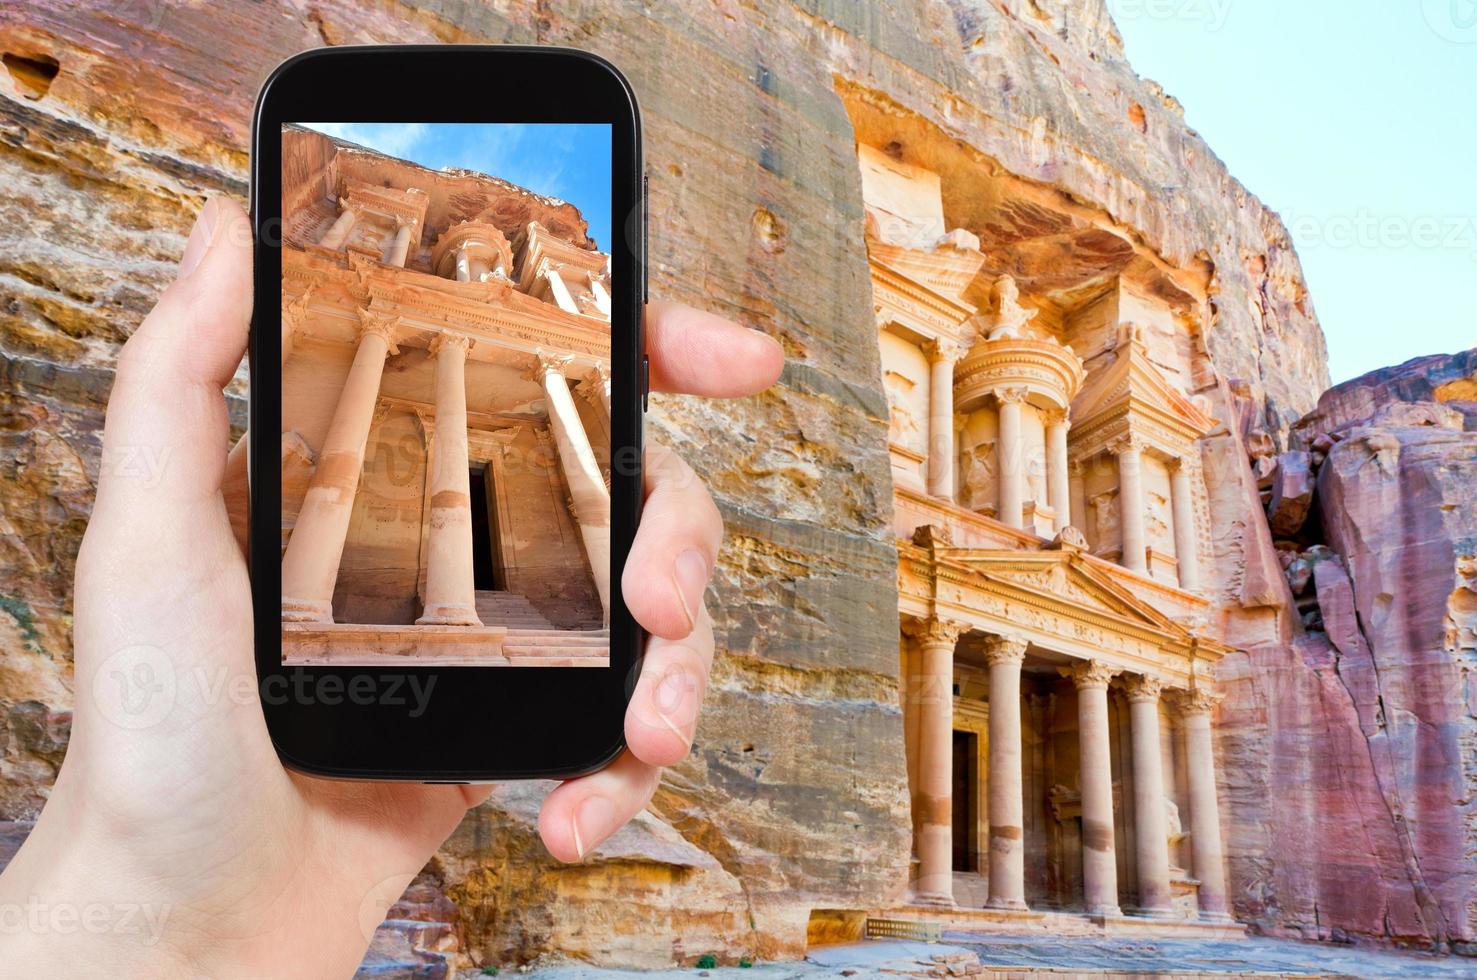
(167, 428)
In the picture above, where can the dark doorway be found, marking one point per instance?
(484, 570)
(965, 819)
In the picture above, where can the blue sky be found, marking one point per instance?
(571, 162)
(1357, 122)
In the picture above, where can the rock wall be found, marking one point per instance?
(1359, 735)
(116, 122)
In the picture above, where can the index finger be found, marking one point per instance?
(698, 353)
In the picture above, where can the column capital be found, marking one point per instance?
(1127, 443)
(1193, 701)
(549, 362)
(1058, 417)
(1142, 687)
(935, 629)
(938, 349)
(1010, 396)
(294, 310)
(598, 378)
(1004, 649)
(1088, 674)
(454, 341)
(381, 325)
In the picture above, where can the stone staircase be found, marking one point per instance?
(511, 610)
(557, 648)
(533, 641)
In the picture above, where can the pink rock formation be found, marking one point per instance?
(1359, 737)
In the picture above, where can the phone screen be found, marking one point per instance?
(446, 400)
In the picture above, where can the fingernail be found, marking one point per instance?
(674, 700)
(690, 572)
(774, 341)
(200, 238)
(591, 823)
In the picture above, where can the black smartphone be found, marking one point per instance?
(447, 384)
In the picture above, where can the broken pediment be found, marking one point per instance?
(1132, 388)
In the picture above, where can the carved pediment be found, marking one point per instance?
(1132, 384)
(1068, 578)
(946, 270)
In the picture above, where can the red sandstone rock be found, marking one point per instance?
(1292, 493)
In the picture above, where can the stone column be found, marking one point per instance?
(1151, 844)
(560, 292)
(1130, 453)
(400, 246)
(451, 599)
(1095, 779)
(1005, 654)
(602, 296)
(933, 694)
(581, 470)
(942, 355)
(338, 233)
(1182, 504)
(463, 265)
(1058, 493)
(1012, 457)
(310, 566)
(1205, 821)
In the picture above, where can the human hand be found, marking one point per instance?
(231, 864)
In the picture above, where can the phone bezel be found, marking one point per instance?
(482, 723)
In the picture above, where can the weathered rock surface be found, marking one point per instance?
(795, 796)
(1292, 492)
(1360, 737)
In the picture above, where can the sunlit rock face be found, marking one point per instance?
(795, 797)
(1363, 726)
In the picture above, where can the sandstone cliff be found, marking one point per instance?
(1360, 734)
(116, 122)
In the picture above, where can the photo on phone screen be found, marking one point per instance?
(446, 422)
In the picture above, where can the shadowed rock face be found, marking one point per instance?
(795, 795)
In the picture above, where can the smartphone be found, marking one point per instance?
(447, 385)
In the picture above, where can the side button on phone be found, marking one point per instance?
(645, 381)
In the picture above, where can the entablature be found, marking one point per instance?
(328, 296)
(403, 207)
(1051, 600)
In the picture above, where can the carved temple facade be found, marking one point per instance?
(445, 417)
(1057, 650)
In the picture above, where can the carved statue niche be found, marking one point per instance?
(902, 424)
(979, 477)
(1007, 318)
(1158, 516)
(1105, 516)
